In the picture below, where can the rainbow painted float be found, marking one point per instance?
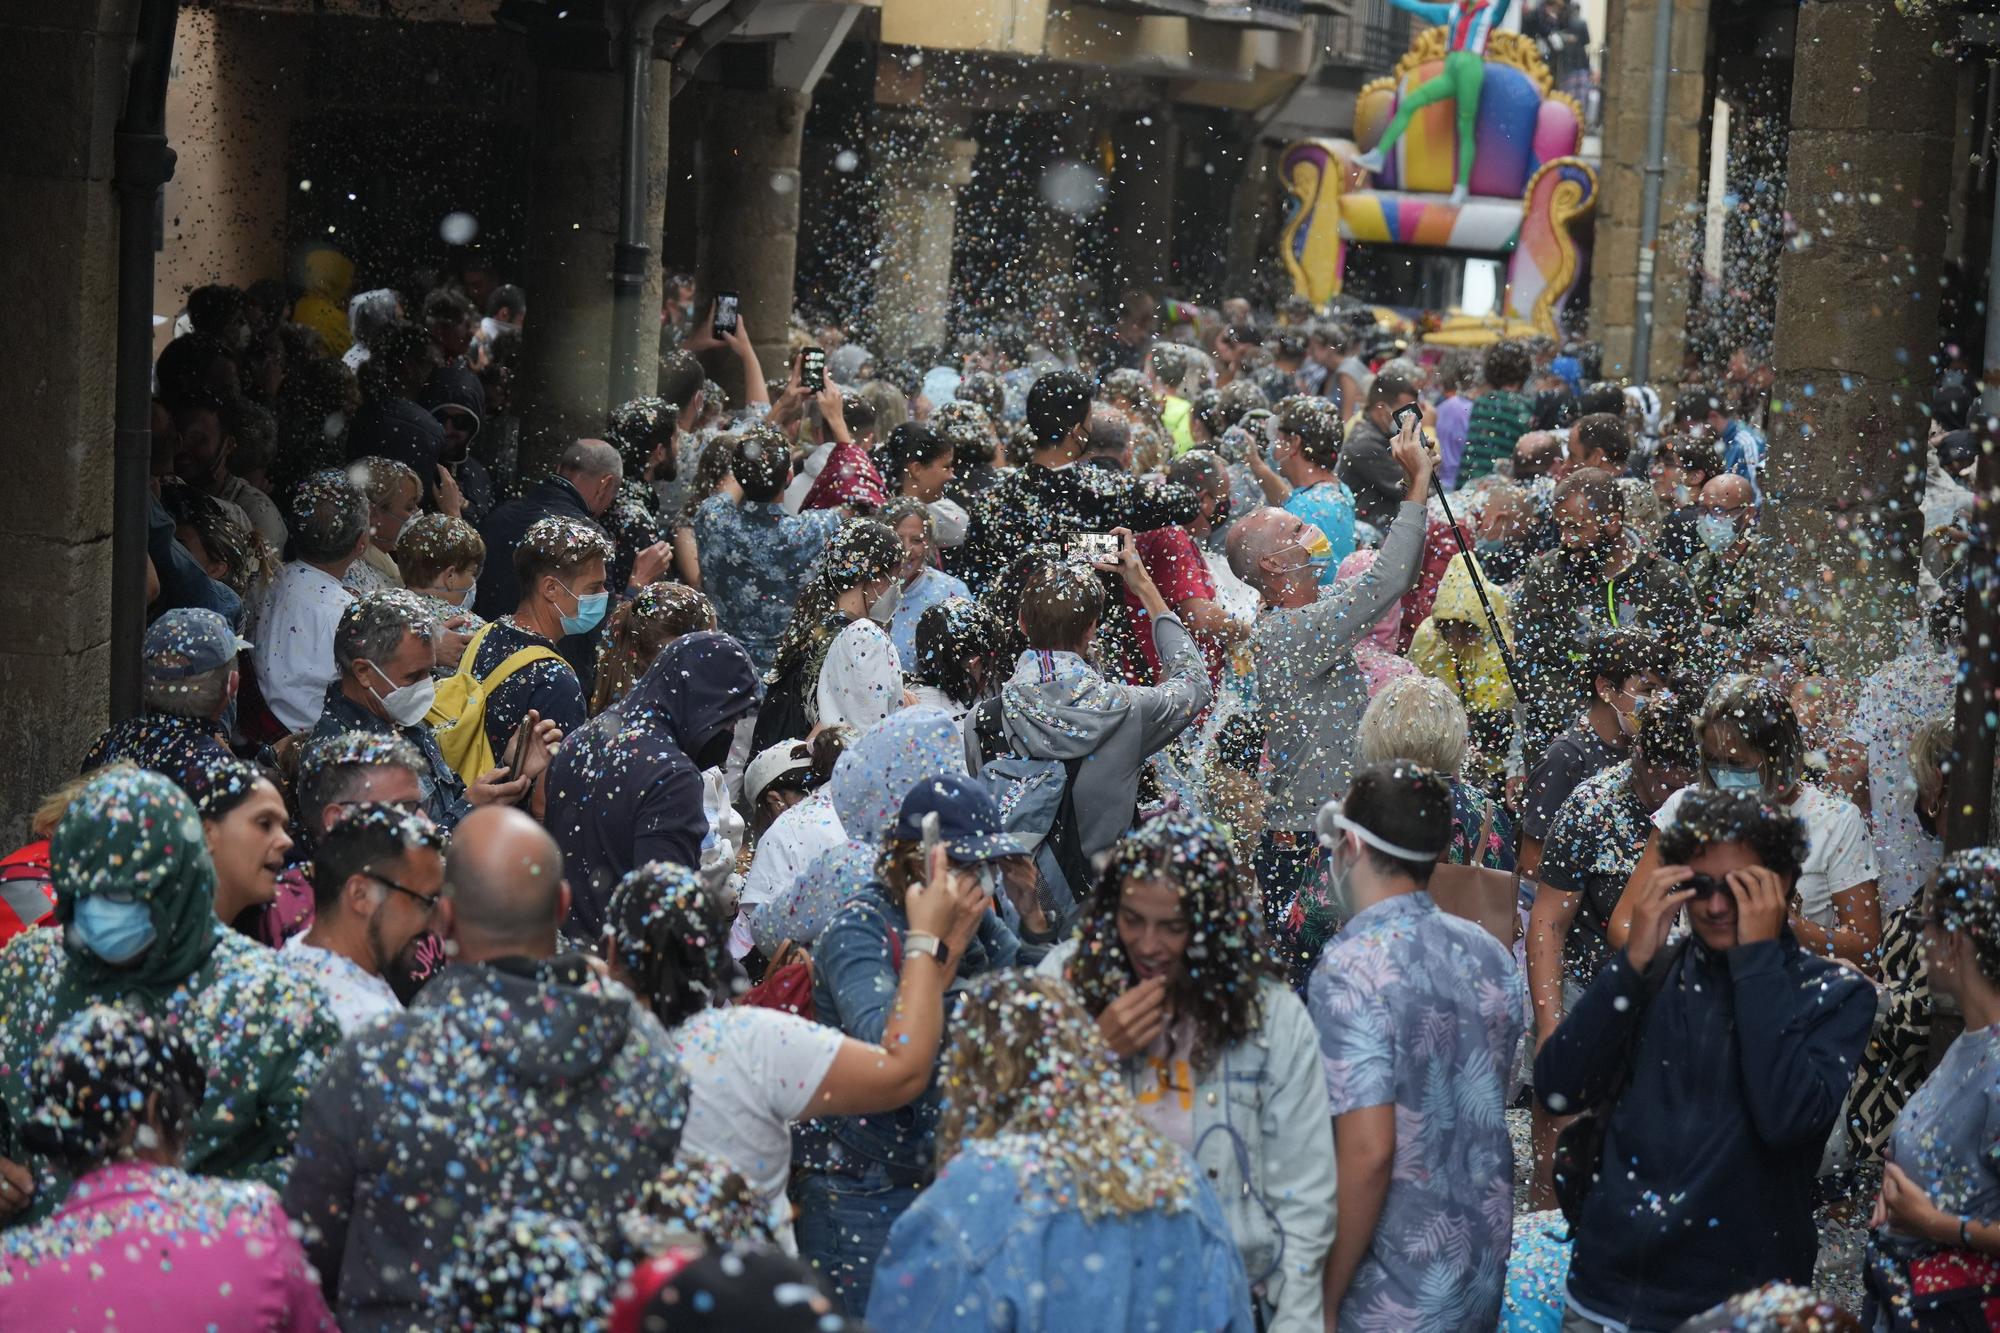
(1530, 196)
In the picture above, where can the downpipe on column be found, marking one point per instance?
(142, 164)
(1655, 170)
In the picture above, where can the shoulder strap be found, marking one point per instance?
(513, 662)
(989, 729)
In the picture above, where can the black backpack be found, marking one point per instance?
(1036, 797)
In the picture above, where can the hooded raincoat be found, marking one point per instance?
(329, 277)
(261, 1032)
(1477, 675)
(866, 791)
(626, 789)
(516, 1083)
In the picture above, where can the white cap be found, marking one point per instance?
(781, 760)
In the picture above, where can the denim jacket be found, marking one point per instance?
(854, 988)
(991, 1246)
(1263, 1138)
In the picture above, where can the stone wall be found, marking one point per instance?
(63, 64)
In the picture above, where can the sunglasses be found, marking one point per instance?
(1703, 886)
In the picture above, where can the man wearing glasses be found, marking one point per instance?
(377, 876)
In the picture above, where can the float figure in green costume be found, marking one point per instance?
(1467, 24)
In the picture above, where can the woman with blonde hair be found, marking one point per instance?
(638, 630)
(1055, 1206)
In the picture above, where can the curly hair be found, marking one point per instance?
(1706, 817)
(639, 629)
(664, 930)
(1967, 897)
(1227, 952)
(1028, 1075)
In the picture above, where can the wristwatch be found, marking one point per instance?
(918, 941)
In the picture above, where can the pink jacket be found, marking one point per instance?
(1376, 653)
(140, 1247)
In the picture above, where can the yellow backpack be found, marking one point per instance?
(458, 714)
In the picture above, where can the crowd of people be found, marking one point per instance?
(1232, 821)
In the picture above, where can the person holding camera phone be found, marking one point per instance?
(1734, 1049)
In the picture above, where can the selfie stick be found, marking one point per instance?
(1479, 587)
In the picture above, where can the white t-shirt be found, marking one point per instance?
(783, 853)
(356, 996)
(751, 1072)
(1895, 701)
(293, 636)
(1838, 853)
(861, 679)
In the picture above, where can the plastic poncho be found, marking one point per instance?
(867, 790)
(260, 1032)
(1478, 676)
(329, 276)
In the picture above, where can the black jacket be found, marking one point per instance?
(511, 1083)
(551, 497)
(1742, 1065)
(626, 789)
(1369, 468)
(1037, 506)
(399, 429)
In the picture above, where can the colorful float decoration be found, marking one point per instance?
(1526, 194)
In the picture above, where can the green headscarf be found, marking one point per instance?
(133, 832)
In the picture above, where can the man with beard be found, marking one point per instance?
(377, 876)
(1595, 580)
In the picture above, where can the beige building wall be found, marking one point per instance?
(230, 105)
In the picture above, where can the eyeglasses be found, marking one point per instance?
(429, 901)
(411, 807)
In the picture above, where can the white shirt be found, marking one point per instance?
(1838, 854)
(861, 679)
(751, 1072)
(293, 637)
(356, 996)
(1895, 701)
(787, 847)
(260, 508)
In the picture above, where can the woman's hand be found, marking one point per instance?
(1909, 1210)
(17, 1188)
(1135, 1020)
(949, 905)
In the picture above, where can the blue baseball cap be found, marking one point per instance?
(968, 820)
(188, 641)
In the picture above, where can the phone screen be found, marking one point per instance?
(725, 313)
(812, 368)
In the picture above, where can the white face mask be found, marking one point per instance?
(406, 705)
(883, 610)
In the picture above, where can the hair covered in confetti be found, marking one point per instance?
(638, 427)
(558, 546)
(1028, 1076)
(1967, 898)
(639, 629)
(329, 764)
(219, 783)
(862, 552)
(1227, 955)
(664, 930)
(91, 1087)
(1706, 817)
(698, 1198)
(1760, 717)
(526, 1270)
(1776, 1307)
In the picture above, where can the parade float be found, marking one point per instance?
(1503, 184)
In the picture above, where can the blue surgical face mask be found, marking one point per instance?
(1717, 531)
(1742, 781)
(589, 610)
(471, 595)
(116, 930)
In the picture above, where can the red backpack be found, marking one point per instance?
(788, 980)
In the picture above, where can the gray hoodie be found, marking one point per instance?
(1309, 691)
(1058, 707)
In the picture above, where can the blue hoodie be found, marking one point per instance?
(626, 788)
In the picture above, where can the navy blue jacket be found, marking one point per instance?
(1743, 1062)
(625, 790)
(500, 591)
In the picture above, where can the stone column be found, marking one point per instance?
(1628, 72)
(63, 63)
(1858, 289)
(748, 163)
(572, 231)
(1253, 209)
(920, 172)
(1146, 147)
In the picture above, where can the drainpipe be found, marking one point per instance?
(1649, 201)
(628, 262)
(142, 164)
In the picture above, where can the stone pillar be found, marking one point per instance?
(572, 231)
(1628, 73)
(63, 62)
(1253, 210)
(1146, 148)
(1858, 290)
(923, 167)
(748, 164)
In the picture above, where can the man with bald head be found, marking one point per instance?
(519, 1077)
(1723, 570)
(1309, 692)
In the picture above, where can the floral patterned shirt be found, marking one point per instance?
(1424, 1012)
